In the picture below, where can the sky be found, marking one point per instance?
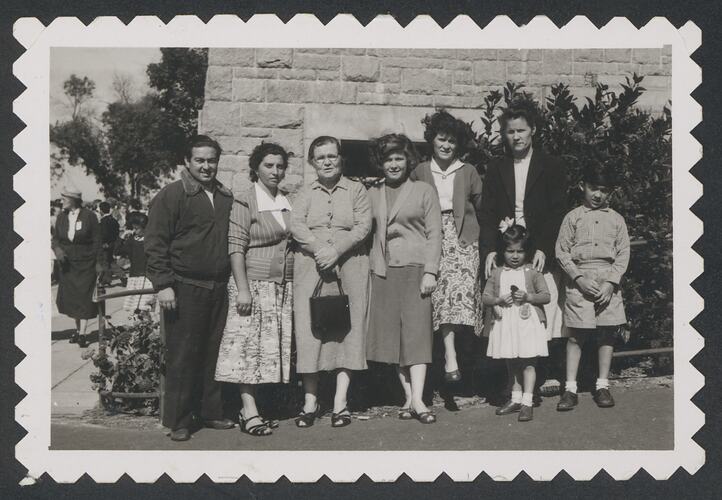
(100, 65)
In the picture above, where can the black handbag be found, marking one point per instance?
(330, 314)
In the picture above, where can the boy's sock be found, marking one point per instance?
(516, 396)
(602, 383)
(571, 386)
(527, 399)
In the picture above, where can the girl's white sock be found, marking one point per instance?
(602, 383)
(527, 399)
(516, 396)
(571, 386)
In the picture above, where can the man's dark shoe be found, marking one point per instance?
(568, 401)
(83, 342)
(182, 434)
(508, 408)
(603, 398)
(526, 413)
(219, 425)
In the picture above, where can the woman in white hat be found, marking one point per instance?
(76, 243)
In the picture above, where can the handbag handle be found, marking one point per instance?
(319, 285)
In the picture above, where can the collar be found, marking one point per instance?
(74, 211)
(106, 215)
(341, 184)
(587, 209)
(192, 186)
(435, 168)
(526, 158)
(267, 202)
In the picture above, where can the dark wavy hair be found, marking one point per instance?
(515, 234)
(443, 122)
(322, 141)
(201, 141)
(519, 108)
(384, 146)
(260, 152)
(597, 173)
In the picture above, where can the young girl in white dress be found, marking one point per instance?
(518, 333)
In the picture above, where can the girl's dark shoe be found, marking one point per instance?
(183, 434)
(526, 413)
(508, 408)
(307, 419)
(568, 401)
(425, 417)
(454, 376)
(603, 398)
(255, 426)
(406, 414)
(341, 419)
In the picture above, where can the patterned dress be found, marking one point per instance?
(457, 298)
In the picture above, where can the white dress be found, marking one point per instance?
(511, 336)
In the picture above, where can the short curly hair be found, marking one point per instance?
(519, 108)
(260, 152)
(384, 146)
(443, 122)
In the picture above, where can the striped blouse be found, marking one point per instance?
(257, 235)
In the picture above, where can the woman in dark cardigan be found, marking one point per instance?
(76, 243)
(530, 187)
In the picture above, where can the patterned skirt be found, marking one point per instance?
(256, 349)
(138, 302)
(457, 298)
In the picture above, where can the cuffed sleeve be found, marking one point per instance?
(158, 235)
(476, 191)
(432, 224)
(563, 249)
(621, 260)
(488, 297)
(239, 225)
(299, 227)
(348, 240)
(540, 295)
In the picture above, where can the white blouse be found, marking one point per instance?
(521, 172)
(444, 181)
(268, 203)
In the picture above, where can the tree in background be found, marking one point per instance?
(78, 90)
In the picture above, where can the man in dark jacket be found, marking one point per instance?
(186, 245)
(109, 233)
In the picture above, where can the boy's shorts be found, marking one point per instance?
(603, 335)
(580, 311)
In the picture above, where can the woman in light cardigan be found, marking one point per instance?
(404, 261)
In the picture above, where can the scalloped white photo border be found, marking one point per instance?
(31, 220)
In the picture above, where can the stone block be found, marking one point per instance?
(647, 56)
(292, 184)
(411, 100)
(412, 62)
(463, 77)
(533, 54)
(618, 55)
(654, 69)
(316, 50)
(477, 54)
(425, 81)
(296, 74)
(390, 75)
(248, 90)
(557, 62)
(489, 72)
(267, 73)
(453, 101)
(230, 163)
(582, 68)
(372, 98)
(328, 75)
(241, 183)
(271, 115)
(313, 61)
(511, 55)
(290, 91)
(218, 83)
(274, 58)
(360, 68)
(226, 178)
(388, 52)
(433, 53)
(654, 100)
(455, 64)
(220, 118)
(336, 92)
(656, 81)
(352, 51)
(468, 90)
(290, 139)
(238, 145)
(230, 56)
(255, 132)
(592, 55)
(628, 68)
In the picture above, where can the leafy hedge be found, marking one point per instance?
(638, 144)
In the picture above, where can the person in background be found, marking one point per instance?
(256, 344)
(404, 262)
(457, 299)
(109, 234)
(132, 247)
(186, 247)
(593, 251)
(331, 220)
(77, 248)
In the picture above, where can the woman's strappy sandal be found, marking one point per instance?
(425, 417)
(341, 419)
(304, 419)
(261, 429)
(406, 413)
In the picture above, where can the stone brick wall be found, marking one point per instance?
(290, 96)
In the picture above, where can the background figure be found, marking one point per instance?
(530, 187)
(132, 247)
(186, 246)
(331, 219)
(256, 344)
(404, 261)
(109, 233)
(76, 243)
(457, 299)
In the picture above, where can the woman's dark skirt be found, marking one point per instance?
(75, 289)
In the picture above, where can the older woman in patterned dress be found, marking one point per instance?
(256, 344)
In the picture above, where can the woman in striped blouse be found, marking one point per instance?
(256, 344)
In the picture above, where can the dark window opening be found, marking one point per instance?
(358, 162)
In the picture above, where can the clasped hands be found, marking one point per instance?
(326, 257)
(601, 294)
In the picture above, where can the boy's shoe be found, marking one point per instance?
(526, 413)
(508, 408)
(603, 398)
(568, 401)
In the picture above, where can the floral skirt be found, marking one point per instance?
(457, 298)
(256, 349)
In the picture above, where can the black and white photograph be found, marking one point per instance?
(474, 251)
